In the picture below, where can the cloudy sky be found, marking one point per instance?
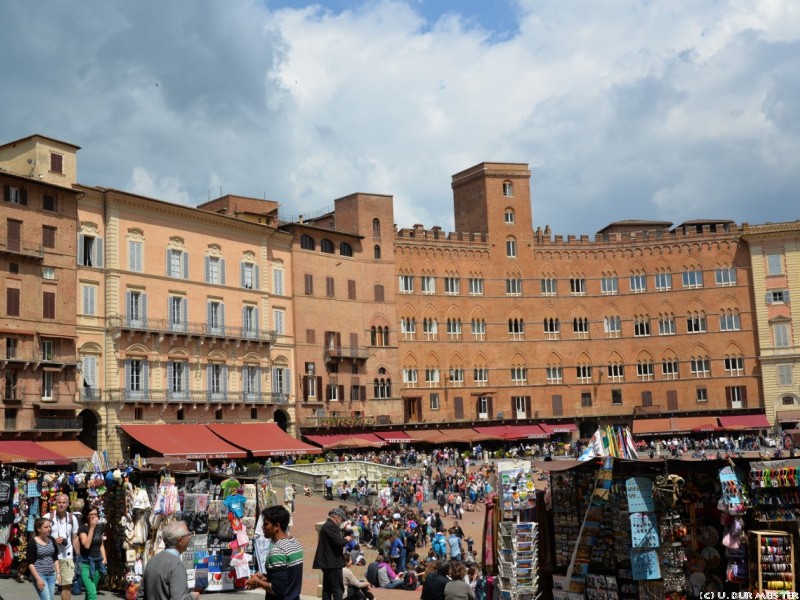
(668, 110)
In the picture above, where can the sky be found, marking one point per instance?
(671, 110)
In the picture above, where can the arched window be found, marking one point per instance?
(377, 250)
(509, 216)
(326, 246)
(345, 249)
(376, 228)
(373, 336)
(508, 188)
(307, 242)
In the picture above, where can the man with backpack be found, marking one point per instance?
(65, 532)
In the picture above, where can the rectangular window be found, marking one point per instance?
(549, 286)
(481, 376)
(430, 328)
(428, 284)
(249, 278)
(49, 305)
(250, 325)
(351, 289)
(89, 294)
(777, 297)
(277, 280)
(513, 287)
(774, 264)
(56, 163)
(90, 251)
(478, 327)
(15, 195)
(48, 350)
(49, 203)
(729, 322)
(511, 248)
(434, 401)
(609, 285)
(519, 375)
(48, 273)
(453, 329)
(666, 325)
(408, 327)
(475, 287)
(669, 369)
(616, 372)
(216, 317)
(47, 385)
(135, 256)
(612, 326)
(555, 375)
(48, 236)
(586, 399)
(308, 279)
(734, 365)
(584, 373)
(785, 376)
(641, 326)
(278, 320)
(692, 279)
(483, 407)
(663, 281)
(577, 286)
(177, 379)
(330, 290)
(696, 324)
(410, 377)
(406, 284)
(644, 371)
(616, 397)
(452, 286)
(432, 377)
(178, 313)
(700, 367)
(521, 405)
(457, 377)
(725, 277)
(215, 270)
(12, 302)
(780, 334)
(701, 394)
(638, 283)
(177, 264)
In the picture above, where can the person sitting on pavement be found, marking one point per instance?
(387, 578)
(435, 581)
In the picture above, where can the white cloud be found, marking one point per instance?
(624, 109)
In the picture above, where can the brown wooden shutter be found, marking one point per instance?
(744, 397)
(309, 283)
(362, 392)
(647, 398)
(48, 305)
(341, 393)
(728, 396)
(672, 400)
(558, 409)
(379, 293)
(304, 381)
(48, 237)
(458, 407)
(351, 289)
(310, 336)
(14, 235)
(354, 342)
(56, 163)
(320, 390)
(490, 407)
(329, 287)
(12, 302)
(23, 197)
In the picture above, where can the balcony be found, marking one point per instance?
(338, 421)
(161, 327)
(36, 357)
(352, 352)
(90, 395)
(20, 249)
(58, 424)
(123, 396)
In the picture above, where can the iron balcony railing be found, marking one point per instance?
(346, 352)
(89, 394)
(21, 248)
(37, 355)
(189, 328)
(58, 424)
(121, 395)
(338, 421)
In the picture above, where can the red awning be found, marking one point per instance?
(325, 440)
(262, 439)
(500, 431)
(526, 432)
(185, 440)
(31, 452)
(744, 422)
(467, 435)
(395, 437)
(72, 449)
(552, 428)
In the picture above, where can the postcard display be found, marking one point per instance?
(518, 547)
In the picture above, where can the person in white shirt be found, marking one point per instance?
(65, 532)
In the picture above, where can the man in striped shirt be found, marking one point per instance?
(284, 577)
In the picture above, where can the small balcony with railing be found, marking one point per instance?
(90, 395)
(204, 397)
(163, 327)
(42, 424)
(334, 353)
(27, 356)
(19, 248)
(342, 421)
